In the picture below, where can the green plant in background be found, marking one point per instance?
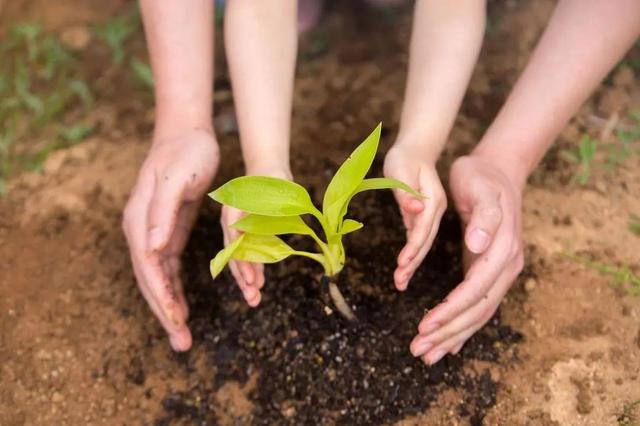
(583, 156)
(621, 276)
(39, 84)
(629, 414)
(143, 72)
(634, 224)
(277, 206)
(115, 34)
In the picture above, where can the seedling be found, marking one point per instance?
(634, 224)
(621, 276)
(583, 156)
(143, 72)
(629, 413)
(277, 206)
(115, 34)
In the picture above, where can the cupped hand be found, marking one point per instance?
(158, 218)
(421, 217)
(489, 203)
(249, 276)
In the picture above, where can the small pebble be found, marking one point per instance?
(530, 284)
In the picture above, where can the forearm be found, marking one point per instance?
(445, 43)
(180, 40)
(261, 45)
(583, 41)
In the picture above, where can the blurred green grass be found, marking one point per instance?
(47, 90)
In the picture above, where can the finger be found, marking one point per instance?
(408, 203)
(163, 209)
(477, 315)
(437, 353)
(173, 271)
(248, 272)
(259, 270)
(456, 350)
(485, 219)
(482, 274)
(187, 216)
(179, 334)
(134, 225)
(404, 273)
(248, 292)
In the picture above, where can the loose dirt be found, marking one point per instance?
(79, 346)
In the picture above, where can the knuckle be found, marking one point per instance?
(491, 212)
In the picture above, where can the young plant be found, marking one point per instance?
(115, 34)
(622, 276)
(277, 206)
(634, 224)
(583, 156)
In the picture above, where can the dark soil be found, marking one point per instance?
(315, 367)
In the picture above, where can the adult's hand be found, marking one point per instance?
(488, 200)
(158, 219)
(421, 217)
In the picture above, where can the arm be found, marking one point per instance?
(445, 43)
(180, 41)
(261, 42)
(182, 160)
(583, 41)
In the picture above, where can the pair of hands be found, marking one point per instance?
(178, 171)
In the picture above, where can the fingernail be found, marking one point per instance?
(429, 328)
(422, 347)
(155, 238)
(437, 356)
(180, 343)
(478, 240)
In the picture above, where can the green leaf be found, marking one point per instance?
(272, 225)
(265, 196)
(379, 183)
(348, 177)
(142, 72)
(349, 226)
(587, 148)
(262, 249)
(386, 183)
(570, 156)
(222, 258)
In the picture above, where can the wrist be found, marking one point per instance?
(176, 116)
(279, 169)
(420, 149)
(510, 163)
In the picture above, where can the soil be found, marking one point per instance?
(79, 346)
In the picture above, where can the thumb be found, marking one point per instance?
(407, 202)
(484, 221)
(163, 211)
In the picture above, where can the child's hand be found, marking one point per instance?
(421, 217)
(249, 276)
(488, 199)
(158, 219)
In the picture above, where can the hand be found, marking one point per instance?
(249, 276)
(158, 219)
(421, 217)
(489, 203)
